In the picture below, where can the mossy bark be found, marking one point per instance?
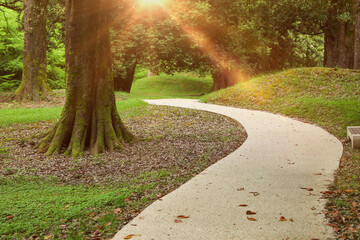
(34, 80)
(90, 118)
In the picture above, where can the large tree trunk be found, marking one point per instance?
(34, 81)
(357, 36)
(90, 118)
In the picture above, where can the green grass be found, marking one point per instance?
(21, 115)
(328, 97)
(165, 86)
(25, 115)
(33, 206)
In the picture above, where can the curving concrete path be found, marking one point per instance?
(281, 160)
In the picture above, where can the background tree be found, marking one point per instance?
(89, 118)
(34, 78)
(357, 36)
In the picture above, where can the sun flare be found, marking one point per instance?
(151, 2)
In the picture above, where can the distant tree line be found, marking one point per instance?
(214, 36)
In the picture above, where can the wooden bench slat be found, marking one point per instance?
(354, 130)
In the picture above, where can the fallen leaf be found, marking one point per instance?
(117, 211)
(349, 190)
(132, 235)
(251, 219)
(243, 205)
(159, 196)
(318, 174)
(328, 192)
(331, 225)
(240, 189)
(177, 221)
(308, 189)
(47, 237)
(313, 208)
(141, 218)
(283, 219)
(353, 204)
(255, 193)
(67, 206)
(291, 220)
(9, 217)
(250, 213)
(353, 230)
(182, 217)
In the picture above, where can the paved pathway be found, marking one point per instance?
(280, 159)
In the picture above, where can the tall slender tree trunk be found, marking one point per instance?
(34, 80)
(90, 118)
(357, 36)
(331, 39)
(343, 57)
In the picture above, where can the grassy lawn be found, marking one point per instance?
(178, 86)
(10, 116)
(31, 205)
(329, 98)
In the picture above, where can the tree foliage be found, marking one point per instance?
(12, 44)
(201, 36)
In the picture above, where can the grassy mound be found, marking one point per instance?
(165, 86)
(328, 97)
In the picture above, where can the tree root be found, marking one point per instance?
(75, 135)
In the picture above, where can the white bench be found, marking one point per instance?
(354, 134)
